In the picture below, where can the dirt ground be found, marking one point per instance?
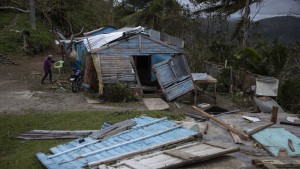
(21, 91)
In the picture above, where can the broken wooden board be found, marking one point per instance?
(279, 162)
(179, 156)
(156, 104)
(235, 137)
(273, 139)
(53, 134)
(113, 129)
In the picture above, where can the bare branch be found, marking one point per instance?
(15, 8)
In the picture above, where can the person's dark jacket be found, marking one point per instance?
(47, 64)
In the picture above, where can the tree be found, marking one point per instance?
(227, 8)
(163, 15)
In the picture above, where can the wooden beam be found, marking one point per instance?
(279, 162)
(249, 133)
(243, 135)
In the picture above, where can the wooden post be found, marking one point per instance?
(32, 15)
(274, 114)
(243, 135)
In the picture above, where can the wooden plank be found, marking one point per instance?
(235, 137)
(53, 134)
(245, 136)
(259, 129)
(135, 164)
(279, 162)
(180, 154)
(269, 166)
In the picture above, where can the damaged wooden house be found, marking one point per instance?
(142, 58)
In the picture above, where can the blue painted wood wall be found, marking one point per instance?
(139, 45)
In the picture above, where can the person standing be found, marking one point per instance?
(47, 68)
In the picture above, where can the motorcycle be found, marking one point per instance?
(76, 79)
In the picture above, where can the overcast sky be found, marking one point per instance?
(270, 8)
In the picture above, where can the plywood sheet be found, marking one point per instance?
(155, 104)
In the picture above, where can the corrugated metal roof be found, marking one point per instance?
(174, 77)
(148, 133)
(95, 42)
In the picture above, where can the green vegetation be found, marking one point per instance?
(119, 92)
(12, 27)
(16, 153)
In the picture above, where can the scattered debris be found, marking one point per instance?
(156, 104)
(177, 105)
(197, 117)
(292, 119)
(279, 162)
(214, 110)
(205, 129)
(265, 104)
(53, 134)
(148, 134)
(273, 139)
(228, 112)
(290, 123)
(6, 61)
(178, 157)
(252, 119)
(291, 145)
(282, 152)
(203, 105)
(221, 123)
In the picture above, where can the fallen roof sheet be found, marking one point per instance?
(182, 155)
(148, 133)
(273, 139)
(265, 104)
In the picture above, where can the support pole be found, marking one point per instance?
(32, 15)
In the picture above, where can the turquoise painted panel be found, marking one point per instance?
(275, 138)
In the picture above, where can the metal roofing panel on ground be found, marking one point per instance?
(273, 139)
(148, 133)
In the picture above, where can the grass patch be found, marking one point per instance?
(16, 153)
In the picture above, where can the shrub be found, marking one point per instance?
(119, 92)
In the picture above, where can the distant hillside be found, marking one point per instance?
(285, 28)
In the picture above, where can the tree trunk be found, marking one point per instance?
(111, 22)
(246, 24)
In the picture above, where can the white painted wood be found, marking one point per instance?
(181, 155)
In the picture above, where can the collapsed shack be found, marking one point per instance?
(148, 137)
(127, 55)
